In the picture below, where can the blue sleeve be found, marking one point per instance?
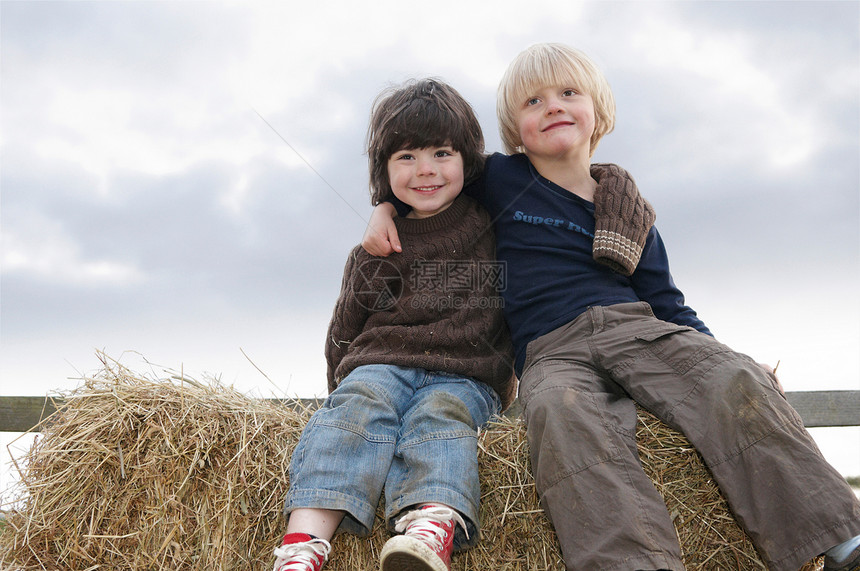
(401, 207)
(477, 188)
(653, 283)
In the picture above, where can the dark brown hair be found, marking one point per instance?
(418, 114)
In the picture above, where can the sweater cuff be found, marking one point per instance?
(618, 244)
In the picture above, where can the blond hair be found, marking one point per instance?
(550, 64)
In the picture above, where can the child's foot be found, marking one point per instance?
(850, 563)
(301, 552)
(426, 543)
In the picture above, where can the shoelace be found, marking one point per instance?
(425, 524)
(300, 555)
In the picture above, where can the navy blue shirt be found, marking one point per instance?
(544, 236)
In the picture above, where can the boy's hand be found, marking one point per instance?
(380, 238)
(771, 372)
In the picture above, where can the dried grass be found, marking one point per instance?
(709, 535)
(140, 474)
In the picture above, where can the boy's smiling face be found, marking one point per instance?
(556, 123)
(427, 179)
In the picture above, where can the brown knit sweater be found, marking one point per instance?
(433, 306)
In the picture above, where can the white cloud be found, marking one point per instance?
(750, 108)
(39, 247)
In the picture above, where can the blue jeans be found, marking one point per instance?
(410, 431)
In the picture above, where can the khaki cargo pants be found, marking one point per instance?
(578, 390)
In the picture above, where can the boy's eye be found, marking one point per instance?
(532, 101)
(569, 92)
(445, 153)
(403, 156)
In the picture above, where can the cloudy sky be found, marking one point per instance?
(182, 181)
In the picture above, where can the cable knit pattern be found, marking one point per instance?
(434, 306)
(622, 219)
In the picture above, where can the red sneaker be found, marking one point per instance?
(301, 552)
(426, 543)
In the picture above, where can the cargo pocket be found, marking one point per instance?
(679, 346)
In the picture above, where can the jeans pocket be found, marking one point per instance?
(376, 428)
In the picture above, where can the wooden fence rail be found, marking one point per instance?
(816, 408)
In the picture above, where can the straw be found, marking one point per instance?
(139, 474)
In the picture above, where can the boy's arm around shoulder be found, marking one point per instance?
(380, 238)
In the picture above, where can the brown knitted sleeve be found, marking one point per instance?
(347, 319)
(622, 219)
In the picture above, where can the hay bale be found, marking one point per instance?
(140, 474)
(710, 537)
(151, 474)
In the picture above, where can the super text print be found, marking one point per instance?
(520, 216)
